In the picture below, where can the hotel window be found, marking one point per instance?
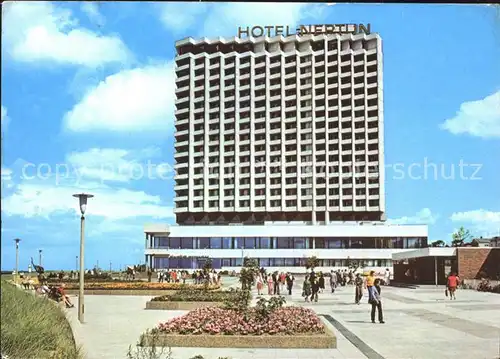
(187, 243)
(216, 243)
(175, 243)
(334, 243)
(285, 243)
(226, 262)
(289, 262)
(397, 242)
(204, 243)
(238, 262)
(299, 243)
(249, 243)
(264, 262)
(227, 243)
(265, 243)
(277, 262)
(320, 243)
(239, 243)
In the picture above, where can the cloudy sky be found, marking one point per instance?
(88, 100)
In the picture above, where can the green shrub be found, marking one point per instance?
(190, 295)
(34, 328)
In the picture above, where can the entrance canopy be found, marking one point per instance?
(425, 252)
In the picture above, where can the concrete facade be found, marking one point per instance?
(279, 129)
(281, 247)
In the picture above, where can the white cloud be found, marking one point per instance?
(5, 119)
(424, 216)
(480, 221)
(38, 199)
(223, 19)
(35, 32)
(7, 180)
(477, 118)
(179, 16)
(120, 165)
(141, 99)
(91, 9)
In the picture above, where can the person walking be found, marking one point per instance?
(333, 281)
(282, 279)
(370, 282)
(276, 283)
(358, 293)
(260, 284)
(387, 276)
(452, 284)
(321, 282)
(306, 288)
(289, 282)
(375, 299)
(269, 285)
(315, 289)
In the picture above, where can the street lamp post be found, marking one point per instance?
(40, 257)
(83, 206)
(17, 240)
(76, 264)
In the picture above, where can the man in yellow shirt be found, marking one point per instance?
(370, 280)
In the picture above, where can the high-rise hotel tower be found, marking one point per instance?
(279, 129)
(282, 130)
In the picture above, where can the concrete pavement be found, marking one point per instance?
(420, 323)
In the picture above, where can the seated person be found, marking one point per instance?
(64, 297)
(42, 290)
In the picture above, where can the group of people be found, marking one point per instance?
(314, 284)
(276, 282)
(56, 293)
(181, 276)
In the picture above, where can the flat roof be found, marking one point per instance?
(425, 252)
(337, 230)
(253, 40)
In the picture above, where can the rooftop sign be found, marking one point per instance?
(301, 30)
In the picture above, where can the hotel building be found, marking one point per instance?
(279, 155)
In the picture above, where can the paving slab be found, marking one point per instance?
(422, 325)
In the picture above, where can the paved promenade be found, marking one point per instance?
(420, 324)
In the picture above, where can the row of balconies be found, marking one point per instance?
(289, 207)
(245, 194)
(319, 70)
(320, 128)
(319, 56)
(184, 87)
(281, 186)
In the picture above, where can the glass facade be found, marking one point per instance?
(164, 242)
(287, 243)
(217, 263)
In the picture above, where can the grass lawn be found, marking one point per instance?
(33, 327)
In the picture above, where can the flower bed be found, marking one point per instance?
(140, 286)
(197, 296)
(284, 321)
(285, 327)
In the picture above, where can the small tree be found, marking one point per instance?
(474, 243)
(248, 272)
(207, 266)
(438, 243)
(312, 262)
(460, 237)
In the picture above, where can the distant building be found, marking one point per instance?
(488, 242)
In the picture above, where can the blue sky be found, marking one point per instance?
(88, 98)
